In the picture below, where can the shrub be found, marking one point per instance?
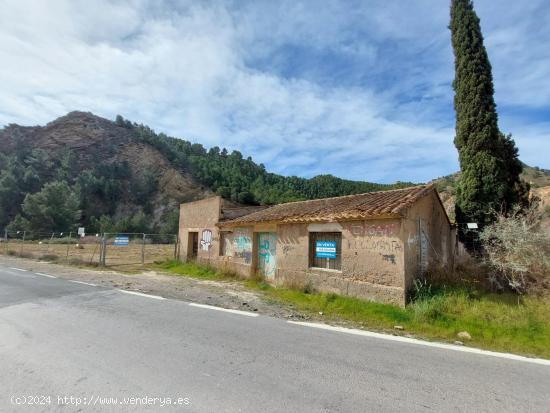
(518, 251)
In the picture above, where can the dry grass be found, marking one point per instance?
(87, 253)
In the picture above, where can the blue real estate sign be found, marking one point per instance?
(325, 249)
(121, 240)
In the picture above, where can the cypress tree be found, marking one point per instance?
(489, 162)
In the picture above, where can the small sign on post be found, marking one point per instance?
(325, 249)
(81, 232)
(121, 241)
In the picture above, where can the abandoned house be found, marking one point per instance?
(370, 245)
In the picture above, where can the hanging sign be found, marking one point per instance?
(325, 249)
(121, 240)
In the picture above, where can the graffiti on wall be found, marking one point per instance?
(245, 255)
(206, 239)
(267, 253)
(411, 240)
(287, 248)
(423, 264)
(242, 245)
(389, 258)
(363, 229)
(376, 245)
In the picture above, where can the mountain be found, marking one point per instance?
(129, 178)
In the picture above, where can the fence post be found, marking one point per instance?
(143, 250)
(68, 245)
(22, 243)
(100, 260)
(48, 250)
(6, 240)
(104, 249)
(176, 247)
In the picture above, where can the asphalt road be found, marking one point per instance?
(61, 339)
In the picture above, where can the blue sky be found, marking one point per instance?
(358, 89)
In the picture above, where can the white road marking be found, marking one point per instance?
(157, 297)
(227, 310)
(423, 343)
(82, 282)
(45, 275)
(17, 269)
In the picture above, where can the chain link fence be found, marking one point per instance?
(105, 249)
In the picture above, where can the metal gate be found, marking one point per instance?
(119, 249)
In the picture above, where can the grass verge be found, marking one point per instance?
(495, 321)
(190, 269)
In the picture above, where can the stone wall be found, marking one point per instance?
(372, 259)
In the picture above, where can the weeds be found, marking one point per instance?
(192, 270)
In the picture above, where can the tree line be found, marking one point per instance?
(242, 180)
(42, 193)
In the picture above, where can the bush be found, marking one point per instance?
(518, 251)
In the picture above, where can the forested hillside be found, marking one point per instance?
(85, 170)
(242, 180)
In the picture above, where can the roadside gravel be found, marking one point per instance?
(225, 294)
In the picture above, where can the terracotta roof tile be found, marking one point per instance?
(349, 207)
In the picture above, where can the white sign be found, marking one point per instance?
(471, 225)
(81, 231)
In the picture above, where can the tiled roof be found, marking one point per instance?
(349, 207)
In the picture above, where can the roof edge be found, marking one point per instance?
(234, 223)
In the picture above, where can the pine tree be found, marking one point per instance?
(489, 162)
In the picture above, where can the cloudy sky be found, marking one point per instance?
(358, 89)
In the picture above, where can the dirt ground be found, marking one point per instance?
(222, 294)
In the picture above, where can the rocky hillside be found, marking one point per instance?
(127, 177)
(81, 142)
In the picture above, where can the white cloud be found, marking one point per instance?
(189, 69)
